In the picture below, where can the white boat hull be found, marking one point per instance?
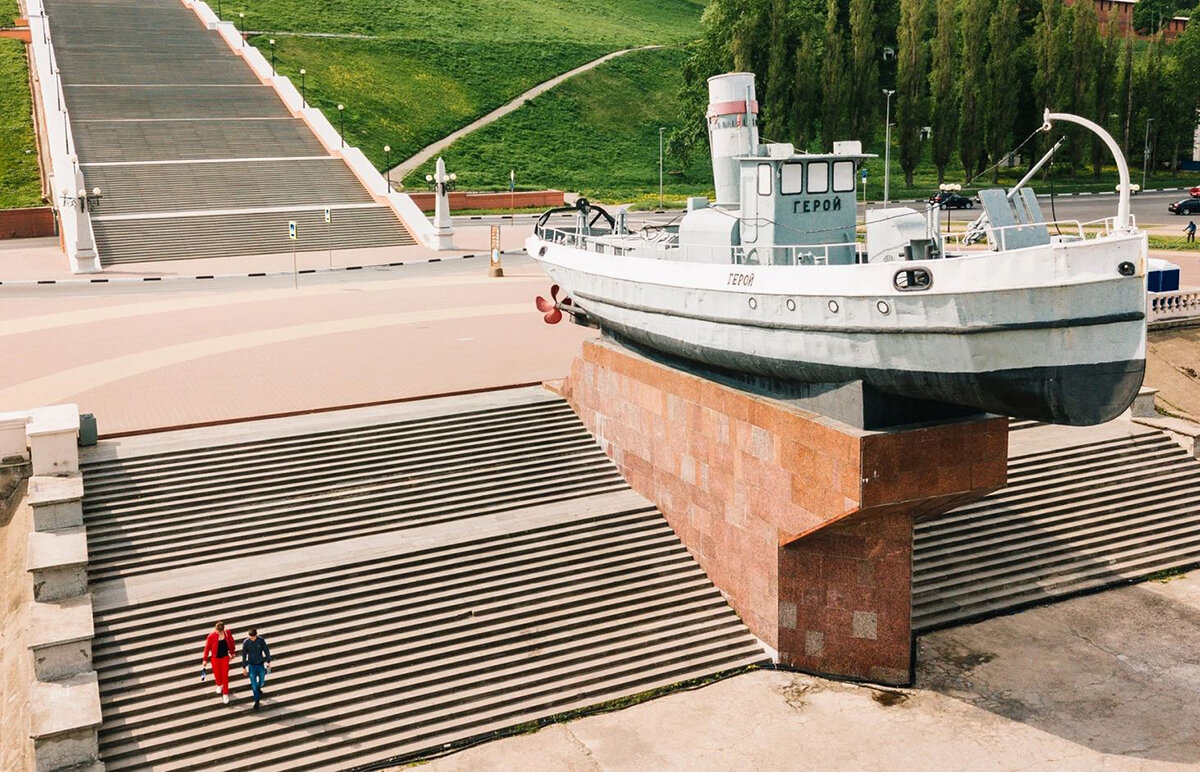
(1052, 333)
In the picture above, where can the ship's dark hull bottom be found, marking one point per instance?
(1077, 395)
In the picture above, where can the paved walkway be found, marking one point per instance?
(1104, 682)
(404, 168)
(174, 353)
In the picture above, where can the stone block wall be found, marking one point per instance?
(804, 523)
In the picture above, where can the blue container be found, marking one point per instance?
(1164, 280)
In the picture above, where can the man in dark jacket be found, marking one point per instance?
(256, 662)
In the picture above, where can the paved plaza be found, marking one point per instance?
(1102, 682)
(179, 353)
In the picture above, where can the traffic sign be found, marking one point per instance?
(292, 230)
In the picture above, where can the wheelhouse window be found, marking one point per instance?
(818, 177)
(764, 179)
(843, 176)
(791, 179)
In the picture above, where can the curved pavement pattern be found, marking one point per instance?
(195, 157)
(425, 573)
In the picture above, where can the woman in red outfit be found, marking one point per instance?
(219, 647)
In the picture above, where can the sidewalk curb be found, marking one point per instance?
(251, 275)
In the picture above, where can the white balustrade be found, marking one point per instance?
(74, 224)
(1184, 304)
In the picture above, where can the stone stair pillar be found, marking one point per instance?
(804, 523)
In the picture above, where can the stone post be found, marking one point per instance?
(441, 212)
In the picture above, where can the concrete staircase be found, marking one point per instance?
(401, 655)
(1073, 519)
(422, 580)
(146, 83)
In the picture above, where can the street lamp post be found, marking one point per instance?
(887, 145)
(1146, 152)
(58, 90)
(220, 14)
(387, 165)
(342, 122)
(272, 42)
(303, 101)
(660, 167)
(242, 28)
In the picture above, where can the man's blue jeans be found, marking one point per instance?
(258, 675)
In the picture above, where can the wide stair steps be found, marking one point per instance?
(246, 233)
(187, 140)
(145, 82)
(1071, 520)
(177, 509)
(399, 654)
(244, 184)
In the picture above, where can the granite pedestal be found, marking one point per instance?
(805, 523)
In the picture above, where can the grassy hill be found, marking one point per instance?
(410, 71)
(20, 183)
(597, 133)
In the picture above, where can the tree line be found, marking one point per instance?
(976, 73)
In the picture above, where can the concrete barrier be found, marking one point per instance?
(57, 562)
(13, 444)
(53, 434)
(60, 638)
(64, 719)
(57, 502)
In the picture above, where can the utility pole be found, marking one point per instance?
(660, 167)
(887, 145)
(1146, 152)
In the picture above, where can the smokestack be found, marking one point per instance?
(732, 130)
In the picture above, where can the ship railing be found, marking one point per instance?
(664, 245)
(1072, 230)
(1183, 304)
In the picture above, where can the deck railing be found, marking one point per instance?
(655, 243)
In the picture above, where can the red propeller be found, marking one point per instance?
(551, 307)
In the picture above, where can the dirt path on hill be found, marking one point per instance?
(404, 168)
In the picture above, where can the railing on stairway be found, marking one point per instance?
(75, 227)
(1184, 304)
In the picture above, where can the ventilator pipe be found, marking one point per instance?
(1122, 221)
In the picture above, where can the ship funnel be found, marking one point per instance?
(732, 129)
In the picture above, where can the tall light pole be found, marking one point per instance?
(1146, 152)
(242, 28)
(303, 101)
(342, 122)
(887, 144)
(660, 166)
(387, 165)
(272, 41)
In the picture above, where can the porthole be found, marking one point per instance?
(753, 303)
(833, 306)
(1126, 269)
(791, 304)
(542, 251)
(883, 307)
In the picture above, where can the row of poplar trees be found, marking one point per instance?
(977, 73)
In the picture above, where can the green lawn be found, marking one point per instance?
(597, 134)
(410, 93)
(8, 12)
(433, 67)
(613, 23)
(20, 183)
